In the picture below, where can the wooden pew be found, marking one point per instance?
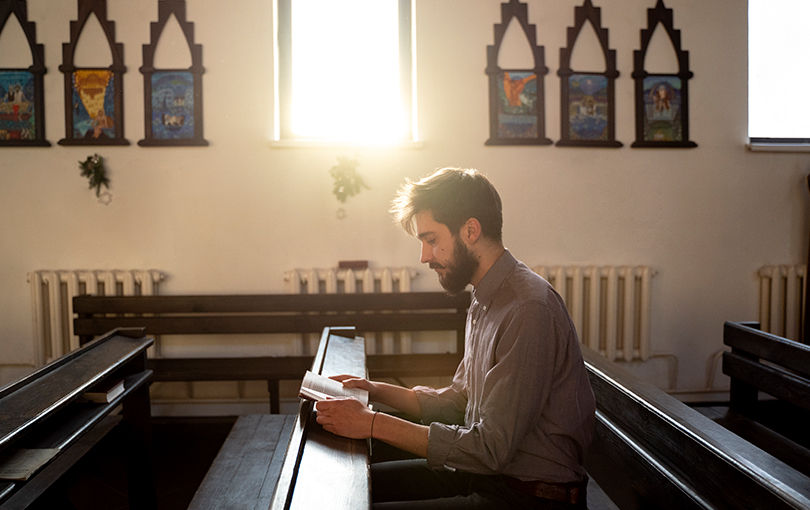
(652, 451)
(763, 362)
(264, 463)
(41, 411)
(279, 313)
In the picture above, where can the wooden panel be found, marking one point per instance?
(229, 369)
(317, 458)
(36, 486)
(40, 411)
(641, 425)
(245, 471)
(783, 352)
(415, 321)
(382, 366)
(269, 303)
(341, 461)
(35, 398)
(770, 379)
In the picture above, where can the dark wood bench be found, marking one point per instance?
(264, 463)
(279, 313)
(41, 411)
(652, 451)
(779, 367)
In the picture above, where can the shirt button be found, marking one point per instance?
(473, 321)
(485, 308)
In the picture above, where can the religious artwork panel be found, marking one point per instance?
(173, 105)
(662, 109)
(17, 106)
(93, 104)
(588, 107)
(517, 109)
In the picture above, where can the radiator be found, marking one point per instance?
(332, 281)
(52, 295)
(610, 306)
(781, 300)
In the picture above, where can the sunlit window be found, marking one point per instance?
(344, 71)
(778, 44)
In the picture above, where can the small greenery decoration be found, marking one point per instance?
(347, 181)
(93, 169)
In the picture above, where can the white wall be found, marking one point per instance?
(230, 218)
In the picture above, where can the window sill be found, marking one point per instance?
(415, 144)
(777, 147)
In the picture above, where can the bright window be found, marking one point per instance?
(344, 71)
(778, 44)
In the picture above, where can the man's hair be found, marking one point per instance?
(453, 196)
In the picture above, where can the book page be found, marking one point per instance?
(318, 387)
(21, 464)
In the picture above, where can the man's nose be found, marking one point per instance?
(427, 254)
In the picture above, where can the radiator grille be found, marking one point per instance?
(610, 306)
(336, 281)
(781, 300)
(52, 295)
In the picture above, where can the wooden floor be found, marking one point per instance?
(183, 447)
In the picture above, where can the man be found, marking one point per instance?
(513, 428)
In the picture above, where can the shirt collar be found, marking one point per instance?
(493, 279)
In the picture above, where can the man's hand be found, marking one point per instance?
(352, 381)
(346, 417)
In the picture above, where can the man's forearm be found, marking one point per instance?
(400, 433)
(403, 399)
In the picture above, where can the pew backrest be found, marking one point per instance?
(652, 451)
(278, 313)
(761, 361)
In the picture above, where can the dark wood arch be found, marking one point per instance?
(662, 100)
(22, 118)
(587, 98)
(168, 125)
(512, 119)
(108, 130)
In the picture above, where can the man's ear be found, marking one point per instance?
(471, 231)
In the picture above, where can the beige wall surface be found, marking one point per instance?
(232, 217)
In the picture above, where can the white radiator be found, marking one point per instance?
(610, 306)
(52, 295)
(781, 300)
(333, 281)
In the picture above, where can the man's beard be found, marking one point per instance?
(459, 270)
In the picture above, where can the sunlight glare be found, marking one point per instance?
(777, 43)
(345, 74)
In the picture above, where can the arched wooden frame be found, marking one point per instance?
(178, 122)
(587, 99)
(84, 83)
(516, 118)
(22, 110)
(662, 100)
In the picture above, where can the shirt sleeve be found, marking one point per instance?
(445, 405)
(515, 390)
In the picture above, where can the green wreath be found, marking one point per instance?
(93, 169)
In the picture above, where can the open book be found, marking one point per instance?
(317, 387)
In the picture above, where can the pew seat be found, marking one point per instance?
(247, 467)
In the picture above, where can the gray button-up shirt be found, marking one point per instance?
(520, 403)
